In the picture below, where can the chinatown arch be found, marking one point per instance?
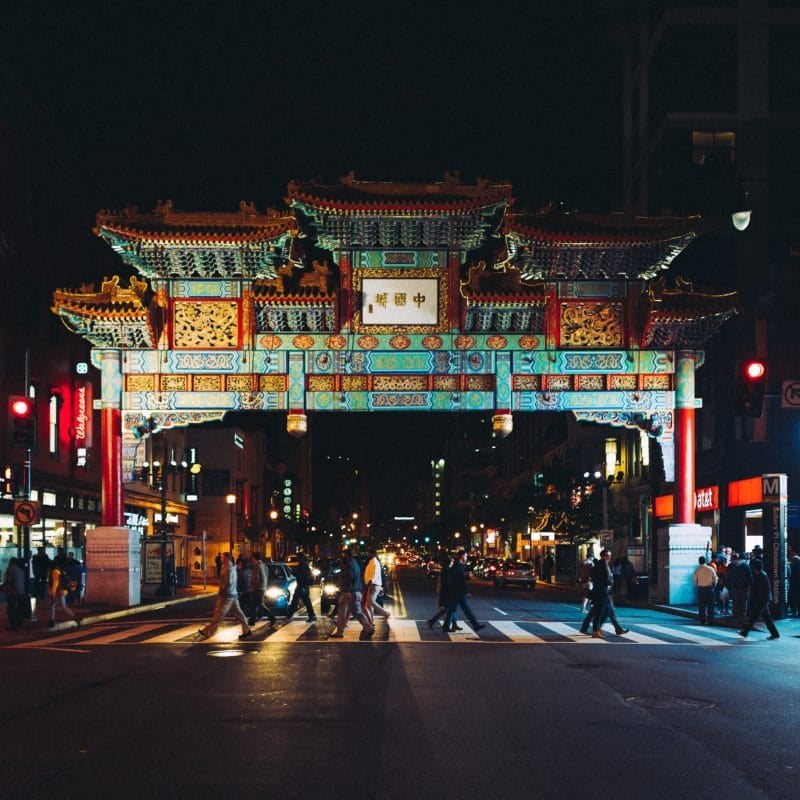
(370, 296)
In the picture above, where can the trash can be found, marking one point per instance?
(182, 577)
(640, 590)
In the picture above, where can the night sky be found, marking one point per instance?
(210, 103)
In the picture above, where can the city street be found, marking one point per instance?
(139, 706)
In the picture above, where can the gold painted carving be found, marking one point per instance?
(206, 325)
(239, 383)
(140, 383)
(272, 383)
(207, 383)
(591, 325)
(174, 383)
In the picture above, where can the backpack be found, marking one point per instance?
(63, 581)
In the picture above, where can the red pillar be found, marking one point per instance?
(111, 480)
(684, 437)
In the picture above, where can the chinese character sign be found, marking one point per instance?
(399, 301)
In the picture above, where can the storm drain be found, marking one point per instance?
(668, 702)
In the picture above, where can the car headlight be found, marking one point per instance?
(275, 593)
(329, 588)
(315, 572)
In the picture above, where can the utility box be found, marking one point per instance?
(113, 567)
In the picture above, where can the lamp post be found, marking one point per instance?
(230, 499)
(165, 589)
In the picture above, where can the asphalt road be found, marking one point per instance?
(140, 708)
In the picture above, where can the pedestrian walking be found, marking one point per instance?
(373, 586)
(227, 600)
(585, 582)
(740, 579)
(602, 604)
(14, 589)
(794, 586)
(41, 573)
(350, 588)
(457, 594)
(760, 598)
(705, 580)
(257, 588)
(442, 593)
(58, 593)
(74, 570)
(303, 590)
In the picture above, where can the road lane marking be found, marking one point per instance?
(679, 633)
(500, 611)
(517, 634)
(125, 633)
(403, 630)
(568, 632)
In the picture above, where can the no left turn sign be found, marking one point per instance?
(26, 512)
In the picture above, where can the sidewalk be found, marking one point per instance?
(97, 612)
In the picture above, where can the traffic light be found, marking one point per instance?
(21, 422)
(751, 383)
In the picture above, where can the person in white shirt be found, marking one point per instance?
(705, 579)
(373, 582)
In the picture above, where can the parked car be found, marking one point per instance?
(520, 573)
(329, 589)
(281, 586)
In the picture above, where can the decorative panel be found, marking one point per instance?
(205, 325)
(272, 383)
(591, 324)
(479, 383)
(657, 382)
(174, 383)
(239, 383)
(590, 383)
(207, 383)
(401, 383)
(628, 382)
(140, 383)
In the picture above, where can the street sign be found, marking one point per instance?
(26, 512)
(790, 394)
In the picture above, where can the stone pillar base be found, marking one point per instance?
(113, 567)
(685, 544)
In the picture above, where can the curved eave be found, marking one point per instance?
(200, 236)
(396, 206)
(591, 231)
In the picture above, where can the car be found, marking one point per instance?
(489, 568)
(520, 573)
(281, 586)
(329, 589)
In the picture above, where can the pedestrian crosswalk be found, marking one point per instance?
(396, 630)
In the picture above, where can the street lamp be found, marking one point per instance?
(230, 499)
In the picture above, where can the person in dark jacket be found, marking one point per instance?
(259, 579)
(442, 593)
(304, 580)
(740, 579)
(457, 594)
(350, 588)
(602, 604)
(760, 598)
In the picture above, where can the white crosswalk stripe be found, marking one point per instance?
(396, 630)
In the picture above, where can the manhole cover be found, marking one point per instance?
(679, 661)
(583, 666)
(668, 702)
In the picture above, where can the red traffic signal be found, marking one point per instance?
(751, 384)
(21, 422)
(755, 370)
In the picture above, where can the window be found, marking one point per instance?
(710, 148)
